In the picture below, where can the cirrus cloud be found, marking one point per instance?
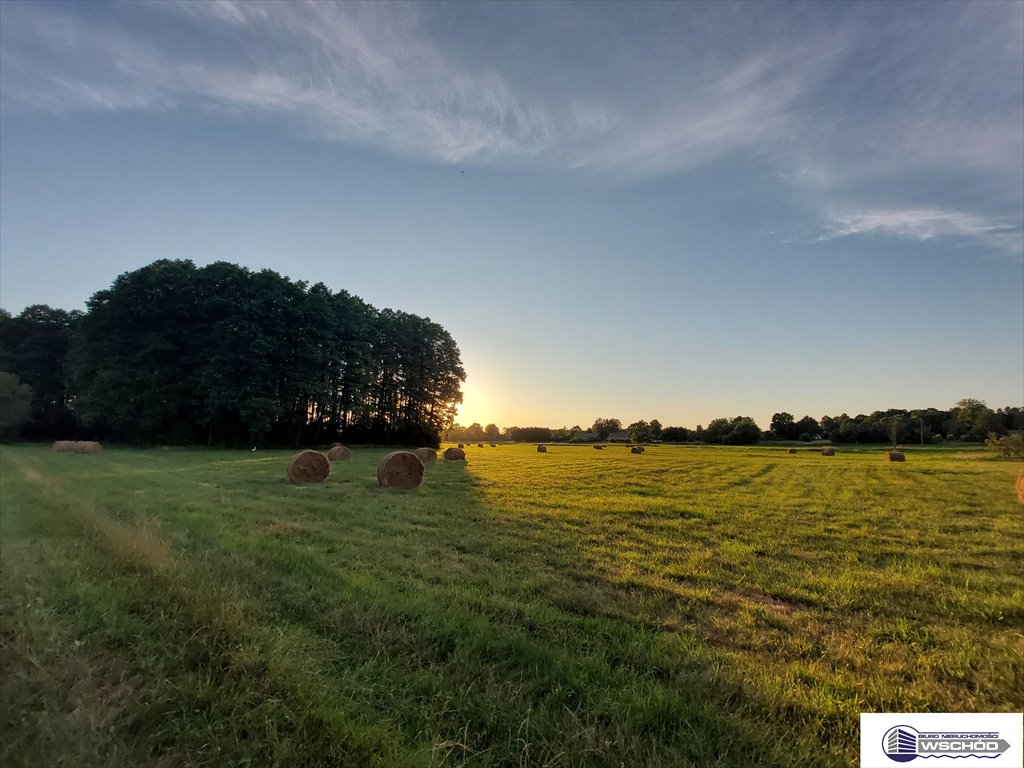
(925, 224)
(853, 103)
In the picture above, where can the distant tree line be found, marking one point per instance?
(474, 433)
(969, 420)
(173, 353)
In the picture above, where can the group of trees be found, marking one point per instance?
(785, 427)
(969, 420)
(34, 353)
(221, 354)
(474, 433)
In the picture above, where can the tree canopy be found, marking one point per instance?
(741, 430)
(221, 354)
(604, 427)
(34, 347)
(15, 402)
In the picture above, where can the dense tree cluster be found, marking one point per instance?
(741, 430)
(220, 354)
(35, 346)
(644, 431)
(604, 427)
(785, 427)
(15, 403)
(529, 434)
(677, 435)
(474, 433)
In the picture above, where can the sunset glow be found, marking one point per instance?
(476, 407)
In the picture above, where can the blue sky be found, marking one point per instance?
(674, 211)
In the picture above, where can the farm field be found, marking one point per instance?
(691, 606)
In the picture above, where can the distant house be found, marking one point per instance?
(585, 437)
(619, 437)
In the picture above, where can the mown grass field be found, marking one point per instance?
(686, 607)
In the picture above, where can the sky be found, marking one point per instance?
(677, 211)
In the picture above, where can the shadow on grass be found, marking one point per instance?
(351, 623)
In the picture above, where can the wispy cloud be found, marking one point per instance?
(924, 224)
(373, 73)
(914, 93)
(859, 102)
(747, 106)
(358, 73)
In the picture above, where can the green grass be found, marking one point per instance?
(691, 606)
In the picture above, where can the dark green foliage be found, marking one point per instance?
(973, 420)
(675, 434)
(220, 354)
(34, 346)
(529, 434)
(808, 425)
(135, 354)
(969, 420)
(15, 403)
(741, 430)
(639, 431)
(784, 427)
(604, 427)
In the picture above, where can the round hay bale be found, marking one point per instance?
(791, 451)
(479, 445)
(828, 451)
(339, 452)
(492, 445)
(426, 455)
(542, 449)
(895, 456)
(454, 454)
(87, 446)
(1020, 485)
(461, 445)
(598, 447)
(309, 467)
(400, 469)
(636, 449)
(63, 446)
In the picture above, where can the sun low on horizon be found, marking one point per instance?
(476, 406)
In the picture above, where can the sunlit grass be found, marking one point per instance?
(688, 606)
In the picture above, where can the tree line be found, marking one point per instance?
(177, 354)
(969, 420)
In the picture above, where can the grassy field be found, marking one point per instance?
(687, 607)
